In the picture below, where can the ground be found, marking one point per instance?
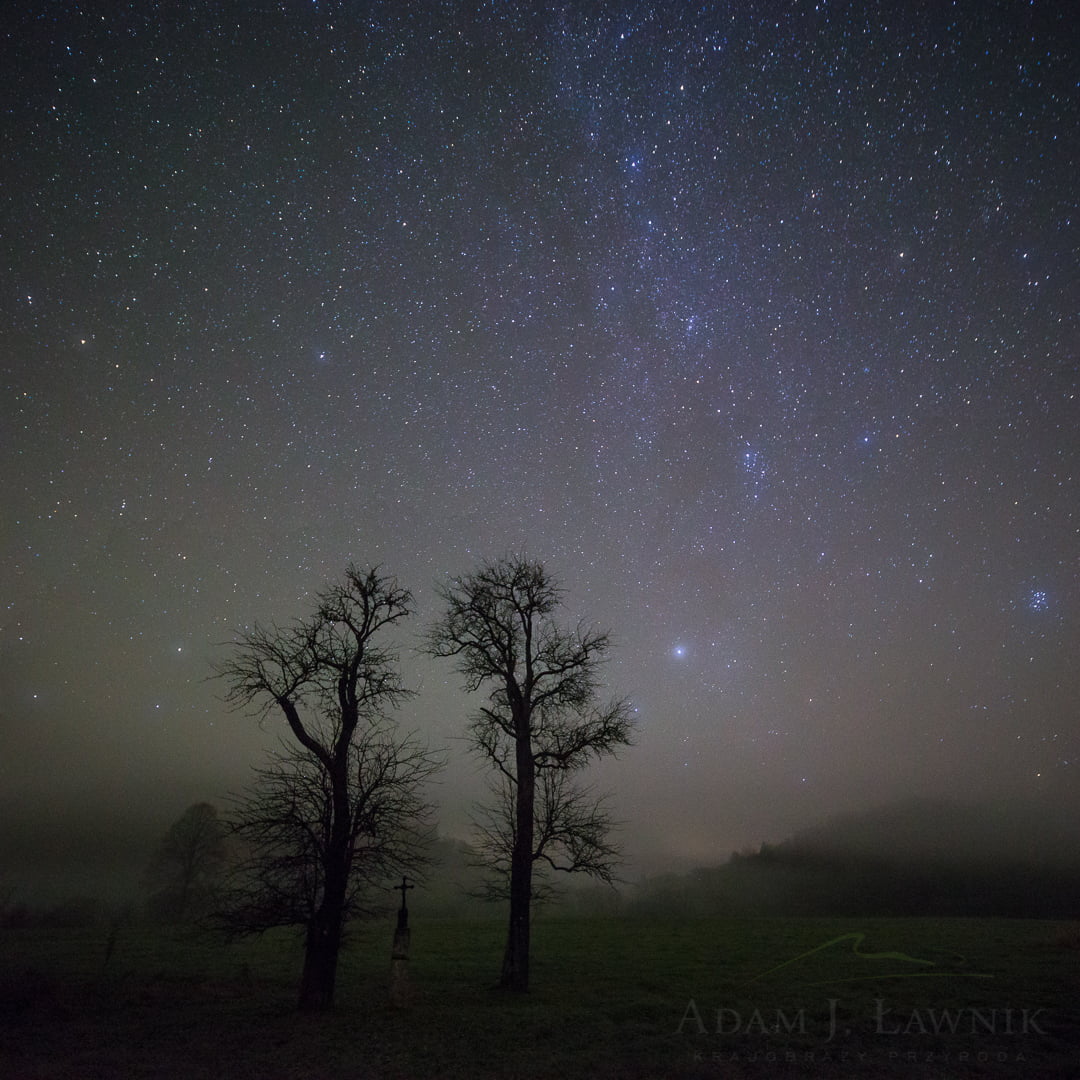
(720, 998)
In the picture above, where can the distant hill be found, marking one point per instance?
(1045, 831)
(917, 857)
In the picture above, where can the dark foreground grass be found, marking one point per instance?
(927, 998)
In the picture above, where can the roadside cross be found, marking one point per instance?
(403, 911)
(400, 995)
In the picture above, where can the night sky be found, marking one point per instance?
(756, 322)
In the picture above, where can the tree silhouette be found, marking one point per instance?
(341, 805)
(186, 869)
(542, 723)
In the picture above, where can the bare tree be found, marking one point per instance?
(542, 723)
(186, 868)
(342, 803)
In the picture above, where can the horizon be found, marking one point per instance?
(109, 864)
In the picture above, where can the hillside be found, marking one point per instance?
(917, 857)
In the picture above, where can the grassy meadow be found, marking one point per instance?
(726, 998)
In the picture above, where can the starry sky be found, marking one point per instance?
(756, 321)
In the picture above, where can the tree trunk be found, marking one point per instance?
(320, 967)
(323, 942)
(515, 971)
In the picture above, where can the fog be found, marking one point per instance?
(944, 851)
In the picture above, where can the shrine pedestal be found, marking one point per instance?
(399, 968)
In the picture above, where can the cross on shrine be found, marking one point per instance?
(403, 912)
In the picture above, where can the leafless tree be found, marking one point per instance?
(543, 722)
(186, 868)
(342, 804)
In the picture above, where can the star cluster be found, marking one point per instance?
(756, 321)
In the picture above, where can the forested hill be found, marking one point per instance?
(913, 858)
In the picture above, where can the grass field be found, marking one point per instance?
(927, 998)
